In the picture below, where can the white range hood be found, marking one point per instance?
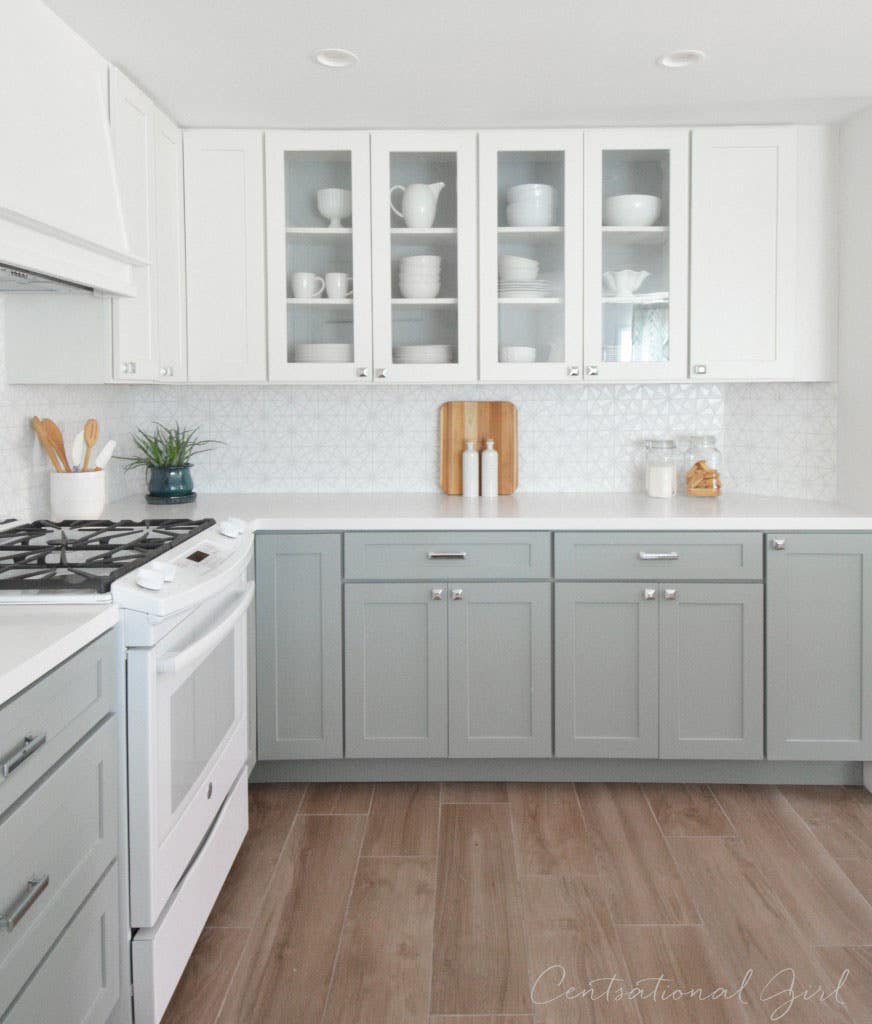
(60, 214)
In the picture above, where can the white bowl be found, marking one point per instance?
(528, 270)
(421, 261)
(334, 204)
(517, 193)
(419, 289)
(424, 354)
(326, 352)
(530, 215)
(631, 211)
(517, 354)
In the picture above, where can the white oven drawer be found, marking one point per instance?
(161, 953)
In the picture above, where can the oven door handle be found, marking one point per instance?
(177, 662)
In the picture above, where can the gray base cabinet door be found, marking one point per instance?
(606, 670)
(819, 647)
(711, 670)
(499, 678)
(299, 646)
(396, 675)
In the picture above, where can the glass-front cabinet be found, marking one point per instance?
(424, 256)
(530, 245)
(636, 254)
(318, 256)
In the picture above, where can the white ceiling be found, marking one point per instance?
(464, 63)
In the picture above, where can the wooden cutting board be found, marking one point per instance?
(460, 422)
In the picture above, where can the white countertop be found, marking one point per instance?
(518, 512)
(35, 638)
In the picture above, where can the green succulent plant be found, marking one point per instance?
(167, 447)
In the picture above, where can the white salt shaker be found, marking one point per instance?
(661, 471)
(469, 467)
(490, 470)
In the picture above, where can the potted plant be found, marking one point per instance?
(167, 454)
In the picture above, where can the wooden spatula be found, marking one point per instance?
(39, 430)
(56, 439)
(92, 432)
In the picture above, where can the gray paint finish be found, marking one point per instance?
(299, 645)
(499, 679)
(819, 660)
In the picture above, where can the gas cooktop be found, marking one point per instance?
(85, 556)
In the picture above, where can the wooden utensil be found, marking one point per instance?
(477, 421)
(92, 432)
(56, 439)
(39, 430)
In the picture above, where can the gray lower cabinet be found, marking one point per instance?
(396, 670)
(818, 653)
(299, 646)
(499, 670)
(606, 691)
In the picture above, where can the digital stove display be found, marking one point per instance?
(87, 555)
(198, 556)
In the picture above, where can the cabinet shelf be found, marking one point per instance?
(531, 233)
(424, 232)
(424, 302)
(318, 231)
(549, 300)
(320, 302)
(638, 236)
(635, 300)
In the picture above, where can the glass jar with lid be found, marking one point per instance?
(702, 467)
(661, 468)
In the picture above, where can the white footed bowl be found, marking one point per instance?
(631, 211)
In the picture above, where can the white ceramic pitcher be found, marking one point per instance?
(419, 203)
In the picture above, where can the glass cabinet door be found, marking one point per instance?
(530, 241)
(424, 256)
(318, 256)
(636, 254)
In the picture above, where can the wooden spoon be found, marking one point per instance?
(56, 439)
(39, 430)
(92, 432)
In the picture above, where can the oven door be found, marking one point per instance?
(187, 741)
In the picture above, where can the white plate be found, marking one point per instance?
(424, 354)
(328, 352)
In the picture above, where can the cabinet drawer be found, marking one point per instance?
(658, 556)
(54, 847)
(62, 707)
(447, 555)
(78, 981)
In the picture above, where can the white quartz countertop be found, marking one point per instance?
(35, 638)
(518, 512)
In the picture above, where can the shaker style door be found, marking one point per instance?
(636, 254)
(425, 304)
(318, 256)
(530, 245)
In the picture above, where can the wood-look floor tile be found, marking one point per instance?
(487, 1018)
(202, 988)
(684, 957)
(337, 798)
(403, 820)
(820, 899)
(857, 988)
(382, 974)
(839, 817)
(474, 793)
(285, 971)
(573, 945)
(750, 929)
(643, 882)
(271, 811)
(687, 810)
(549, 831)
(479, 955)
(860, 873)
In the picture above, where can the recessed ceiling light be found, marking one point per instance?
(336, 58)
(681, 58)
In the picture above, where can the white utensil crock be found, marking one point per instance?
(77, 495)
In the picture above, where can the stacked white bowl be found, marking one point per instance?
(420, 276)
(517, 268)
(531, 206)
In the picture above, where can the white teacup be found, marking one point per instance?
(307, 285)
(338, 285)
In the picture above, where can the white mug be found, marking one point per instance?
(338, 285)
(307, 285)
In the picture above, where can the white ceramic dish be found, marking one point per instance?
(518, 268)
(424, 354)
(419, 289)
(631, 211)
(328, 352)
(533, 190)
(517, 354)
(334, 204)
(422, 260)
(530, 215)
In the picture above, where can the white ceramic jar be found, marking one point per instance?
(77, 495)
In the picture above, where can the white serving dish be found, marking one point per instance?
(424, 354)
(334, 204)
(517, 354)
(326, 352)
(631, 211)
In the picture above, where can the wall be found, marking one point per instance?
(855, 313)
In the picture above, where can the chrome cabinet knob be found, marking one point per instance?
(700, 369)
(133, 367)
(456, 595)
(381, 373)
(573, 371)
(363, 371)
(163, 371)
(436, 594)
(778, 544)
(670, 595)
(592, 370)
(650, 594)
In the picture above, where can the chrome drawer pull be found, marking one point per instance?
(29, 745)
(658, 556)
(446, 554)
(35, 888)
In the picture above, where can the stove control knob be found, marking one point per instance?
(150, 578)
(231, 528)
(166, 568)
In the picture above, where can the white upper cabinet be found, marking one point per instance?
(530, 247)
(224, 250)
(763, 254)
(424, 265)
(168, 272)
(635, 254)
(319, 289)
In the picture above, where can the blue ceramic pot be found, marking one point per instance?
(170, 482)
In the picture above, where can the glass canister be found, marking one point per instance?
(702, 467)
(661, 468)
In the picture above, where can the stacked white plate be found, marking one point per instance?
(323, 352)
(420, 276)
(525, 289)
(423, 353)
